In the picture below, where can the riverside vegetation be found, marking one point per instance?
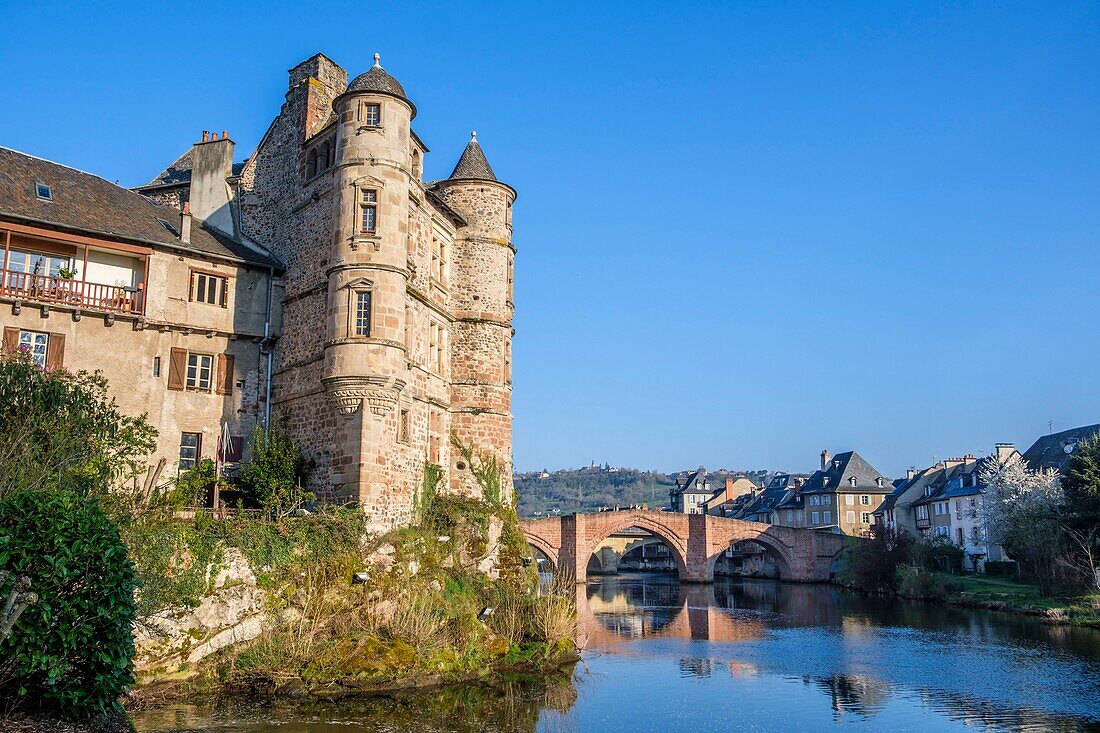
(416, 617)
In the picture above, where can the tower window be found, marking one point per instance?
(372, 115)
(403, 427)
(362, 313)
(368, 221)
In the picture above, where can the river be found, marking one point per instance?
(743, 655)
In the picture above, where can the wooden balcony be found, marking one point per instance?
(72, 293)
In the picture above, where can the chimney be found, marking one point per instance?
(185, 224)
(211, 164)
(1004, 451)
(909, 474)
(824, 459)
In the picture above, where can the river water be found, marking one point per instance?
(743, 655)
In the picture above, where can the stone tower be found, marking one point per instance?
(364, 356)
(482, 306)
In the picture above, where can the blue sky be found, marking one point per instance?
(746, 231)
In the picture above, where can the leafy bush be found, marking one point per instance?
(872, 564)
(275, 471)
(62, 431)
(192, 485)
(917, 582)
(73, 650)
(938, 553)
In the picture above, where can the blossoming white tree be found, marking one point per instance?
(1022, 512)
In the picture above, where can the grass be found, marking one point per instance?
(1015, 595)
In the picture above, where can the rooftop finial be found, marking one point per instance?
(378, 61)
(473, 136)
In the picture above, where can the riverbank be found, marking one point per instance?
(1002, 594)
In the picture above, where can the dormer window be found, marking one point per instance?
(824, 482)
(878, 482)
(43, 192)
(852, 480)
(836, 464)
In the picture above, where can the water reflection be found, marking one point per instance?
(665, 656)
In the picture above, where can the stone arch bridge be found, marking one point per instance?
(697, 541)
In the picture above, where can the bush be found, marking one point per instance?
(275, 471)
(916, 582)
(62, 432)
(73, 650)
(872, 563)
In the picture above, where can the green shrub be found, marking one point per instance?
(73, 650)
(192, 485)
(275, 471)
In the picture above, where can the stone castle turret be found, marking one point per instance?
(482, 306)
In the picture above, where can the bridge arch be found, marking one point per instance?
(779, 552)
(543, 546)
(617, 522)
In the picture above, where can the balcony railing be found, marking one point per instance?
(70, 292)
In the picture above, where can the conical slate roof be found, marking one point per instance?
(473, 165)
(376, 80)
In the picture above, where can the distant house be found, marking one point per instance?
(728, 500)
(945, 500)
(763, 508)
(1055, 451)
(843, 494)
(690, 494)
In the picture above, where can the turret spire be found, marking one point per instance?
(377, 60)
(473, 165)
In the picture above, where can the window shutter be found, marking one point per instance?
(11, 338)
(225, 374)
(177, 369)
(236, 448)
(55, 351)
(191, 286)
(225, 292)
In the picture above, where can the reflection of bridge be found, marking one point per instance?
(696, 542)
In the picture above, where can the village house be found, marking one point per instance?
(322, 281)
(690, 493)
(843, 494)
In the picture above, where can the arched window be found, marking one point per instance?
(324, 159)
(311, 163)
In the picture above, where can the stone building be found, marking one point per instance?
(390, 323)
(843, 494)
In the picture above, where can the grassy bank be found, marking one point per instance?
(1003, 594)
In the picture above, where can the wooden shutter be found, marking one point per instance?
(191, 286)
(224, 385)
(55, 351)
(236, 449)
(177, 369)
(11, 338)
(225, 292)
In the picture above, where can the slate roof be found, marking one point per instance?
(841, 469)
(179, 172)
(377, 81)
(1049, 451)
(473, 165)
(696, 483)
(86, 203)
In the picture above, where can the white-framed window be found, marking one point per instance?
(850, 517)
(849, 499)
(43, 192)
(371, 114)
(865, 517)
(864, 500)
(209, 288)
(815, 518)
(827, 517)
(200, 368)
(35, 343)
(368, 210)
(362, 315)
(922, 511)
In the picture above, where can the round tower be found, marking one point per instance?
(481, 303)
(365, 367)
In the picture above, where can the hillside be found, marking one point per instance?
(589, 489)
